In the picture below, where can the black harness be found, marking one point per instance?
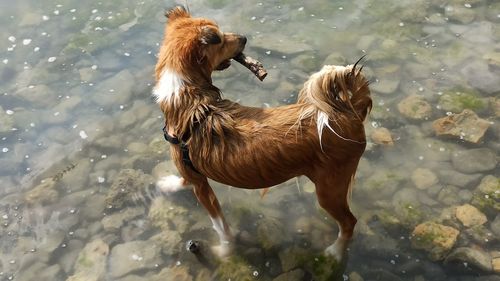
(184, 147)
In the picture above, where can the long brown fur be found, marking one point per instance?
(251, 147)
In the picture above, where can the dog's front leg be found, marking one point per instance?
(207, 198)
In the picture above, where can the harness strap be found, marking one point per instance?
(184, 148)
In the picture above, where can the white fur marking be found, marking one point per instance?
(168, 86)
(218, 225)
(171, 183)
(323, 122)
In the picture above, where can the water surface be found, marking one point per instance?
(81, 143)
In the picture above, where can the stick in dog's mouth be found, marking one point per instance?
(254, 65)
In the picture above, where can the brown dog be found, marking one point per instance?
(321, 136)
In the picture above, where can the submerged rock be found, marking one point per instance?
(424, 178)
(487, 195)
(382, 136)
(474, 160)
(115, 221)
(168, 216)
(458, 100)
(470, 215)
(470, 257)
(133, 256)
(235, 268)
(44, 193)
(415, 107)
(128, 186)
(270, 233)
(92, 262)
(294, 275)
(466, 125)
(169, 241)
(434, 238)
(6, 121)
(176, 273)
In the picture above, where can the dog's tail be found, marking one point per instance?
(334, 90)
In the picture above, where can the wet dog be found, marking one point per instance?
(321, 136)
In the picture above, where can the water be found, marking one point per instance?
(81, 144)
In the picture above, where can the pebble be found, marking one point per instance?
(470, 215)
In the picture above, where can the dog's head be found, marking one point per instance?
(196, 44)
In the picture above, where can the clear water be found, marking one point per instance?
(76, 112)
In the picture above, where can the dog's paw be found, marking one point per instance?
(171, 183)
(337, 250)
(223, 251)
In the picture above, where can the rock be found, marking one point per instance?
(127, 187)
(480, 234)
(68, 258)
(489, 185)
(466, 125)
(115, 90)
(478, 74)
(165, 168)
(449, 195)
(176, 273)
(457, 100)
(382, 136)
(434, 238)
(169, 241)
(385, 85)
(455, 178)
(495, 264)
(270, 233)
(38, 95)
(294, 275)
(40, 271)
(470, 215)
(474, 160)
(459, 13)
(115, 221)
(292, 257)
(415, 107)
(354, 276)
(91, 262)
(495, 105)
(167, 215)
(281, 44)
(307, 62)
(234, 268)
(6, 121)
(44, 193)
(423, 178)
(133, 256)
(94, 207)
(495, 226)
(470, 258)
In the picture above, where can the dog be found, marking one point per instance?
(321, 136)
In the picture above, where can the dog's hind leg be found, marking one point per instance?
(207, 198)
(332, 192)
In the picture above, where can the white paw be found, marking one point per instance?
(337, 250)
(224, 250)
(171, 183)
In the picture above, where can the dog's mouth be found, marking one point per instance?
(224, 64)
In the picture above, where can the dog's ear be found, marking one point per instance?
(209, 36)
(177, 12)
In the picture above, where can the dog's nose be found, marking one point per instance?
(243, 40)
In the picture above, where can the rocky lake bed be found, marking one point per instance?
(81, 145)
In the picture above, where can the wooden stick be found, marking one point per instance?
(254, 65)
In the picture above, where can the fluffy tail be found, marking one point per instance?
(334, 90)
(338, 89)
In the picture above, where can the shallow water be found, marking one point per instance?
(81, 143)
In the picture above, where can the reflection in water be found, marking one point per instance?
(81, 143)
